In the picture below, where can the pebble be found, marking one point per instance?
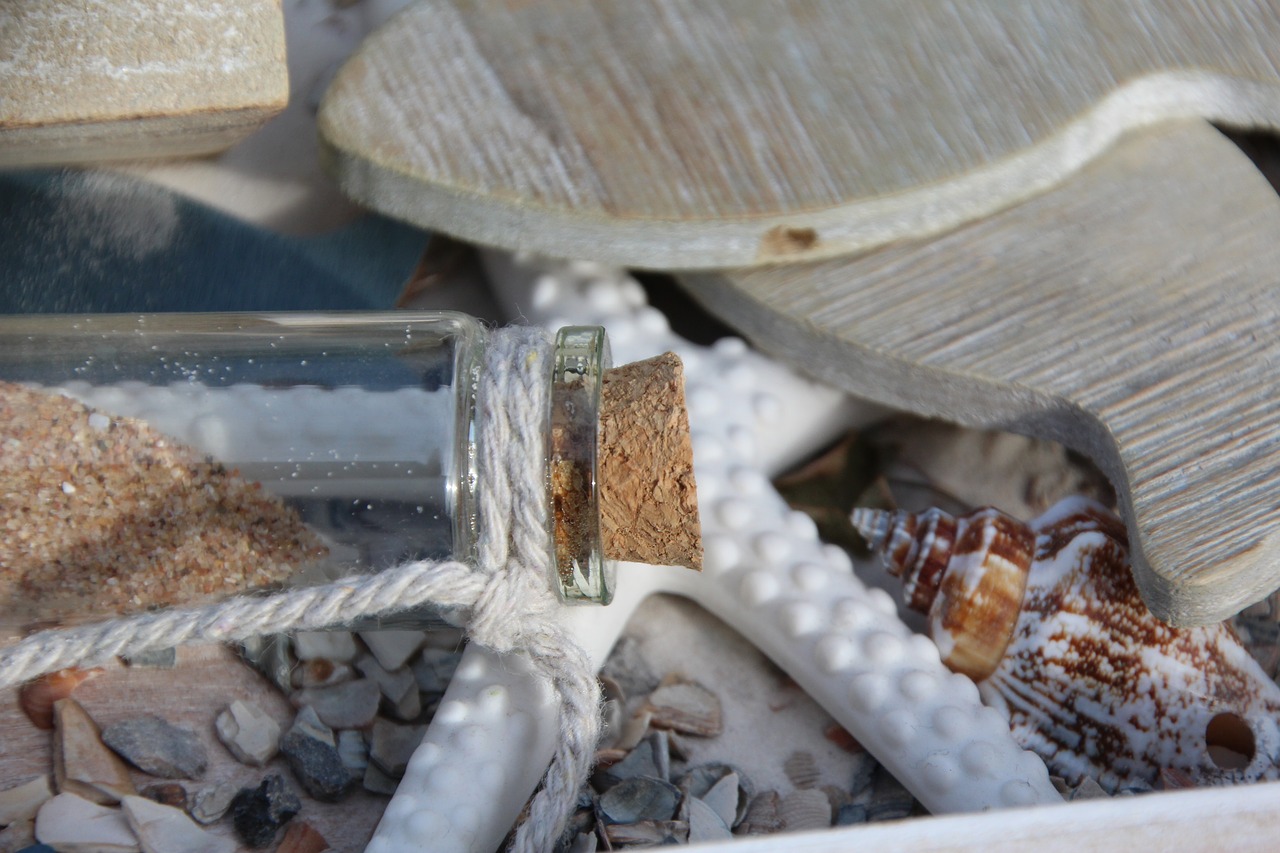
(258, 813)
(320, 673)
(391, 745)
(37, 697)
(377, 782)
(685, 706)
(302, 837)
(640, 798)
(409, 707)
(393, 648)
(82, 764)
(353, 750)
(394, 684)
(805, 809)
(434, 669)
(306, 720)
(22, 801)
(167, 793)
(351, 705)
(164, 829)
(72, 824)
(336, 646)
(158, 747)
(248, 732)
(154, 659)
(316, 764)
(212, 802)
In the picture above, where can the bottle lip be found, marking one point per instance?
(580, 358)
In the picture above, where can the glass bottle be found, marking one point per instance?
(361, 426)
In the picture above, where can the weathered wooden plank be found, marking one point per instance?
(95, 80)
(1131, 314)
(714, 134)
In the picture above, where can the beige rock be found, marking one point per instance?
(82, 764)
(72, 824)
(23, 801)
(164, 829)
(302, 837)
(250, 733)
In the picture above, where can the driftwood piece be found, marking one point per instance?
(723, 134)
(1130, 314)
(84, 81)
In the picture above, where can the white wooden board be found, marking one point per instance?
(1131, 314)
(715, 134)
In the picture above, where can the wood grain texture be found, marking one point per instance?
(668, 134)
(1131, 314)
(95, 80)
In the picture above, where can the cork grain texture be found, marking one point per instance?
(648, 497)
(93, 80)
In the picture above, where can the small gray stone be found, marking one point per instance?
(258, 813)
(351, 705)
(308, 723)
(393, 684)
(211, 803)
(378, 782)
(640, 798)
(392, 745)
(158, 747)
(353, 750)
(271, 655)
(154, 659)
(409, 707)
(336, 646)
(393, 648)
(248, 732)
(316, 764)
(434, 669)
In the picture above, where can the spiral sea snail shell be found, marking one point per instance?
(1045, 616)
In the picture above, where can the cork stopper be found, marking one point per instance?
(648, 498)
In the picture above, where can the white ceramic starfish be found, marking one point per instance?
(766, 574)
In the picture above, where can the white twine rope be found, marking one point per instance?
(508, 596)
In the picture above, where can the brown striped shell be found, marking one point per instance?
(1088, 678)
